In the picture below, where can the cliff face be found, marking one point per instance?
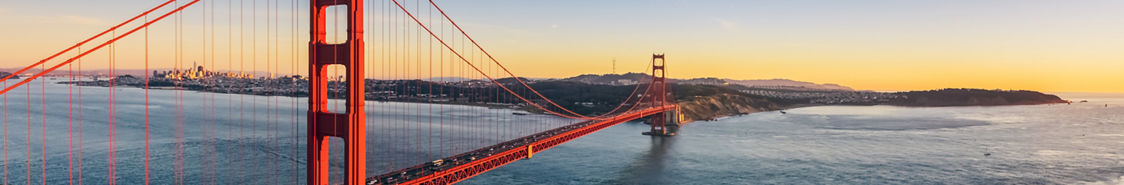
(721, 105)
(708, 102)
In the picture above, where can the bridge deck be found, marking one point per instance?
(465, 165)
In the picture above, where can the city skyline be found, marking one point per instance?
(875, 45)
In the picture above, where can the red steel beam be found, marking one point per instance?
(322, 123)
(659, 95)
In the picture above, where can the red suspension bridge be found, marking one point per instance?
(379, 89)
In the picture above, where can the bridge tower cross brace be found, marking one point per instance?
(659, 98)
(322, 124)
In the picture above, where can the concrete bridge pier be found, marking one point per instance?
(664, 124)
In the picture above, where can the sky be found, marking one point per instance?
(884, 45)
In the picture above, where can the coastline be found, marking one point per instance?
(697, 102)
(797, 106)
(293, 95)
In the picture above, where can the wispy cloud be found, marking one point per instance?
(726, 24)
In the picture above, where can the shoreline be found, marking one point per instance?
(704, 107)
(186, 89)
(797, 106)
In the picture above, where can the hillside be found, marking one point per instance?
(708, 102)
(611, 79)
(697, 102)
(5, 74)
(633, 78)
(700, 99)
(974, 97)
(791, 84)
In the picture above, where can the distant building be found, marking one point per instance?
(198, 72)
(623, 82)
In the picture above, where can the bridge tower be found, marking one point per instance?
(659, 98)
(322, 123)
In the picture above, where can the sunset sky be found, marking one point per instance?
(1066, 46)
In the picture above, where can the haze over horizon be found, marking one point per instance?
(1054, 46)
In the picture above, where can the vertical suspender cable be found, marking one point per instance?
(368, 63)
(43, 118)
(268, 84)
(429, 93)
(79, 121)
(178, 97)
(242, 75)
(206, 154)
(27, 165)
(416, 89)
(112, 116)
(273, 84)
(441, 92)
(370, 82)
(69, 126)
(5, 135)
(211, 128)
(253, 71)
(230, 74)
(293, 85)
(296, 137)
(388, 45)
(392, 69)
(146, 116)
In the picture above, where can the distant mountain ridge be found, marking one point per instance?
(610, 79)
(633, 78)
(789, 83)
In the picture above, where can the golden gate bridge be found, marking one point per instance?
(346, 48)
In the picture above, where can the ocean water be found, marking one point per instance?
(240, 139)
(1082, 143)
